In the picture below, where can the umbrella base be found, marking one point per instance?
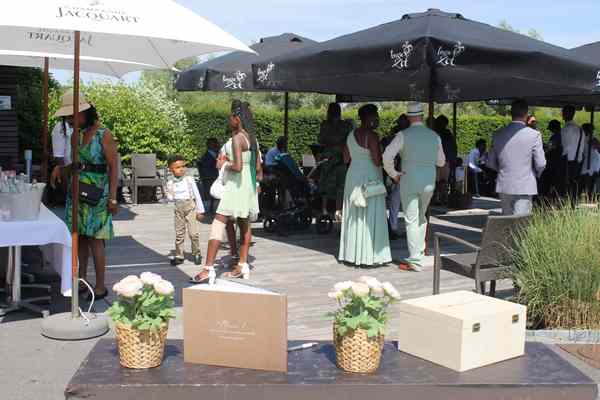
(65, 327)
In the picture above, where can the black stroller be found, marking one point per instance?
(298, 216)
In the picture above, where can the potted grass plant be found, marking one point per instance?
(557, 268)
(360, 321)
(141, 314)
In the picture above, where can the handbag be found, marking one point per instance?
(361, 194)
(90, 194)
(218, 186)
(373, 189)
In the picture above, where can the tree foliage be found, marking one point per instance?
(29, 108)
(143, 118)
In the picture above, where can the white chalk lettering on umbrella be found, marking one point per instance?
(400, 58)
(263, 74)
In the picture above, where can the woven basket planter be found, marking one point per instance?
(355, 352)
(140, 349)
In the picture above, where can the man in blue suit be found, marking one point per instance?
(517, 154)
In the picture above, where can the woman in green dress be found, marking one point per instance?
(364, 239)
(98, 160)
(239, 200)
(332, 136)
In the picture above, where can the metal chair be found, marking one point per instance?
(144, 173)
(489, 261)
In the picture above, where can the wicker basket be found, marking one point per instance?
(140, 349)
(355, 352)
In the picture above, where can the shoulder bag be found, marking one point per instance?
(218, 186)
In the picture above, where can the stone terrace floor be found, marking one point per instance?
(302, 265)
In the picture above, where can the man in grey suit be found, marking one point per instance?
(517, 154)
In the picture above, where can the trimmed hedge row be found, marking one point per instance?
(304, 128)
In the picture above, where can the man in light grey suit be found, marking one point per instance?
(517, 154)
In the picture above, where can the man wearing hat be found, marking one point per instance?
(421, 151)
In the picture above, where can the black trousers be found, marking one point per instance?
(573, 181)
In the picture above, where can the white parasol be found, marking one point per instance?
(156, 32)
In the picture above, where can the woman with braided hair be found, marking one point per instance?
(239, 200)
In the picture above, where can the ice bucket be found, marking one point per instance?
(22, 206)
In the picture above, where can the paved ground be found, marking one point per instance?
(303, 266)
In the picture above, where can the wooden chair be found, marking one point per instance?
(144, 173)
(490, 261)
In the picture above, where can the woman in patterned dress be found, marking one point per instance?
(98, 158)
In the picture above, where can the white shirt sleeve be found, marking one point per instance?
(390, 153)
(59, 141)
(197, 197)
(441, 158)
(473, 156)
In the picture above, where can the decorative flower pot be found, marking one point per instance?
(355, 352)
(140, 349)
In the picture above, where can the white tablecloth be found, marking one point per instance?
(51, 234)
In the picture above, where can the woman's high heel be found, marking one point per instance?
(202, 277)
(241, 271)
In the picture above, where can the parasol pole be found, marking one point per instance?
(430, 121)
(75, 182)
(454, 114)
(431, 113)
(72, 326)
(45, 90)
(286, 115)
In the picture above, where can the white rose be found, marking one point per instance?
(130, 278)
(148, 278)
(130, 288)
(335, 295)
(117, 288)
(341, 286)
(360, 289)
(164, 287)
(378, 291)
(373, 283)
(391, 291)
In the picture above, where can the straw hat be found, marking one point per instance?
(66, 104)
(414, 109)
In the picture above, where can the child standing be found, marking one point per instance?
(189, 209)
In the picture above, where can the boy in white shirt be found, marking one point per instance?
(189, 209)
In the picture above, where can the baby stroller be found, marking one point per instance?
(298, 216)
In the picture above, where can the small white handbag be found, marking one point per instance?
(218, 187)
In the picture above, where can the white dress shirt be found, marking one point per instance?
(460, 174)
(186, 189)
(594, 164)
(570, 136)
(474, 159)
(396, 146)
(61, 142)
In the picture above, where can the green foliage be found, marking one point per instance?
(304, 127)
(148, 310)
(362, 306)
(557, 267)
(143, 118)
(29, 108)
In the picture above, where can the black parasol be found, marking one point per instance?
(233, 71)
(431, 56)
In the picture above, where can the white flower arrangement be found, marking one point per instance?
(363, 305)
(144, 303)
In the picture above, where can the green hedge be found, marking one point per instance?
(304, 127)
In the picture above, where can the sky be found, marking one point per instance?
(568, 23)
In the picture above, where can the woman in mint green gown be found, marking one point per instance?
(364, 239)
